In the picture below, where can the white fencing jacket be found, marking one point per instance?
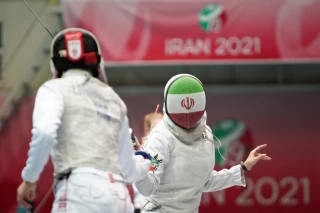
(185, 169)
(82, 122)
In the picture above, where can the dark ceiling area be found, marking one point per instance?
(273, 74)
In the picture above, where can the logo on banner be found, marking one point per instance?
(187, 103)
(211, 18)
(236, 141)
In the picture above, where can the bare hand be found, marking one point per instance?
(255, 156)
(26, 191)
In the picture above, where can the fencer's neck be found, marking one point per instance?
(73, 72)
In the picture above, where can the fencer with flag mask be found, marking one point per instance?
(182, 148)
(83, 123)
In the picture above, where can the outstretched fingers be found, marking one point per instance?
(258, 148)
(264, 157)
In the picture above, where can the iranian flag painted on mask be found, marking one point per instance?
(185, 101)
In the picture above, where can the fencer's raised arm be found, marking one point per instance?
(156, 144)
(126, 156)
(130, 169)
(47, 114)
(218, 180)
(224, 179)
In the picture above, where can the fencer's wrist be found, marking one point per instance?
(244, 166)
(248, 165)
(30, 183)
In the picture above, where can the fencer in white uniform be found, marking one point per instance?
(83, 123)
(182, 147)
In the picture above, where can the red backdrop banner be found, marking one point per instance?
(188, 31)
(287, 121)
